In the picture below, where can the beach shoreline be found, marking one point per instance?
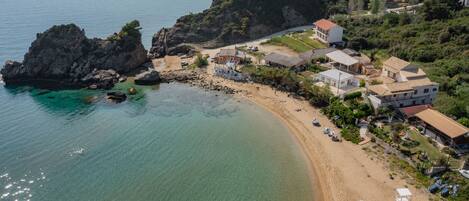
(338, 171)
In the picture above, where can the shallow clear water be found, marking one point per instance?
(172, 142)
(20, 20)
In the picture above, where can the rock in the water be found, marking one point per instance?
(132, 91)
(63, 54)
(150, 77)
(116, 96)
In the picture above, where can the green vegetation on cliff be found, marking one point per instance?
(232, 21)
(437, 38)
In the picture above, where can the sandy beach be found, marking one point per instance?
(339, 171)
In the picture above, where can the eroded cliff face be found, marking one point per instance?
(63, 54)
(232, 21)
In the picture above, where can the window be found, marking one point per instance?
(416, 91)
(394, 95)
(405, 94)
(414, 102)
(426, 91)
(401, 105)
(423, 101)
(434, 89)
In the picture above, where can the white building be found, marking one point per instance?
(401, 70)
(343, 61)
(328, 32)
(336, 78)
(409, 86)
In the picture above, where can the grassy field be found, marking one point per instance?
(299, 42)
(433, 153)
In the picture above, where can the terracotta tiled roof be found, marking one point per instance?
(443, 123)
(325, 24)
(400, 87)
(395, 64)
(412, 110)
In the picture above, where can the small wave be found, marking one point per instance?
(77, 151)
(20, 188)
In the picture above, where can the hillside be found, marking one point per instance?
(439, 43)
(232, 21)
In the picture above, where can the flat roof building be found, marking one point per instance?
(280, 60)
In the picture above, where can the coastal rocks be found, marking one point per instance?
(101, 79)
(132, 91)
(228, 22)
(116, 97)
(64, 55)
(150, 77)
(198, 79)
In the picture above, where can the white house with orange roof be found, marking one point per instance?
(328, 32)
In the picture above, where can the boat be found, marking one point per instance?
(445, 192)
(336, 138)
(316, 122)
(435, 187)
(326, 131)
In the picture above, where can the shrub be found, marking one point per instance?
(351, 134)
(201, 61)
(444, 37)
(406, 151)
(449, 151)
(362, 83)
(131, 29)
(353, 95)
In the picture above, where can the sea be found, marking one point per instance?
(168, 142)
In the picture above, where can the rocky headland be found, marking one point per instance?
(63, 56)
(233, 21)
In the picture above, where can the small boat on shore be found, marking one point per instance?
(316, 123)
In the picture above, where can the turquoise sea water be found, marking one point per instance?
(170, 142)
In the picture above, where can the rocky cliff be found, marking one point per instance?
(232, 21)
(64, 55)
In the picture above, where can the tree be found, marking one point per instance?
(391, 19)
(388, 112)
(404, 19)
(434, 9)
(131, 29)
(375, 6)
(464, 121)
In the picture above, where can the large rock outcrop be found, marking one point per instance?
(63, 55)
(232, 21)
